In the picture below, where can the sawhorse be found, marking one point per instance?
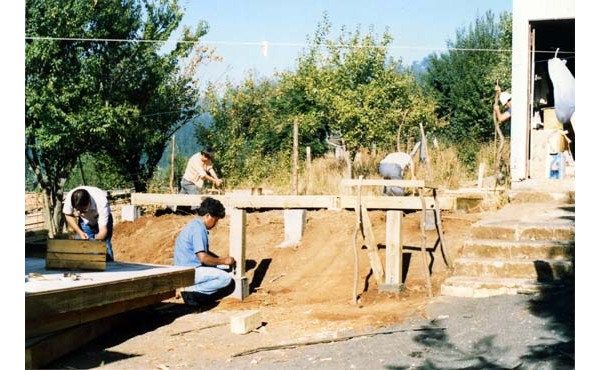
(394, 247)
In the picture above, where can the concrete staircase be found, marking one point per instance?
(524, 247)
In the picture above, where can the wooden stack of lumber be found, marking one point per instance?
(76, 254)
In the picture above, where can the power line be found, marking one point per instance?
(282, 44)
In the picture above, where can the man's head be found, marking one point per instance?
(505, 98)
(80, 200)
(211, 210)
(208, 153)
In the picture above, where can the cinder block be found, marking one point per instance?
(294, 224)
(129, 212)
(245, 322)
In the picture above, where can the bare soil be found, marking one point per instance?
(301, 292)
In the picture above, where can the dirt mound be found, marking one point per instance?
(308, 287)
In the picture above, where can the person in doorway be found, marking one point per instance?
(505, 100)
(87, 212)
(198, 172)
(213, 279)
(393, 167)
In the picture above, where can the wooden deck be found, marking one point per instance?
(58, 303)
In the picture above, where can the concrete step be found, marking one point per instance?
(520, 249)
(558, 197)
(481, 287)
(551, 191)
(540, 270)
(515, 230)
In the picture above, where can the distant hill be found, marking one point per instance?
(186, 141)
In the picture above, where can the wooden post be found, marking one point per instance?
(48, 216)
(429, 174)
(237, 249)
(295, 159)
(393, 253)
(424, 243)
(376, 265)
(308, 169)
(480, 177)
(172, 177)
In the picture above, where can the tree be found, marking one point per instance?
(99, 83)
(345, 86)
(354, 89)
(463, 79)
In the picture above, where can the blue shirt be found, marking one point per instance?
(191, 240)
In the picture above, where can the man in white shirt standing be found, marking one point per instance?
(393, 167)
(198, 172)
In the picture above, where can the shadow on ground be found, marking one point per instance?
(130, 325)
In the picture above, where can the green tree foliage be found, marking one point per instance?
(463, 79)
(351, 87)
(345, 86)
(90, 93)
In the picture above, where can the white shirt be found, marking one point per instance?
(99, 209)
(400, 158)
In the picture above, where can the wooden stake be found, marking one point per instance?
(172, 177)
(295, 159)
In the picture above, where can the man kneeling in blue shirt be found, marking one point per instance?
(192, 249)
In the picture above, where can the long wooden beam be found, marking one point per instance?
(382, 182)
(295, 201)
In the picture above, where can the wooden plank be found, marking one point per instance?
(371, 246)
(294, 201)
(76, 246)
(393, 248)
(67, 333)
(45, 350)
(120, 282)
(61, 263)
(74, 257)
(283, 201)
(76, 254)
(139, 199)
(382, 182)
(41, 325)
(424, 243)
(399, 203)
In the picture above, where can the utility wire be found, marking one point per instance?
(283, 44)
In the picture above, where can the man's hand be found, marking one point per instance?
(229, 260)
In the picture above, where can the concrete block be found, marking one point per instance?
(242, 288)
(294, 223)
(129, 212)
(245, 322)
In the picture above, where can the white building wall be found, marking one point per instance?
(525, 11)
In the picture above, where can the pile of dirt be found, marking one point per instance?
(309, 288)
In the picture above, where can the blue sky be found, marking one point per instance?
(238, 27)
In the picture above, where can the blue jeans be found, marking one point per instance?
(91, 231)
(391, 171)
(209, 280)
(186, 187)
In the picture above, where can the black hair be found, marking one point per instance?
(213, 207)
(80, 199)
(207, 152)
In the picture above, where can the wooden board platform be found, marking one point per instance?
(59, 300)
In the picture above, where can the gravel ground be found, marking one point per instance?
(503, 332)
(535, 331)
